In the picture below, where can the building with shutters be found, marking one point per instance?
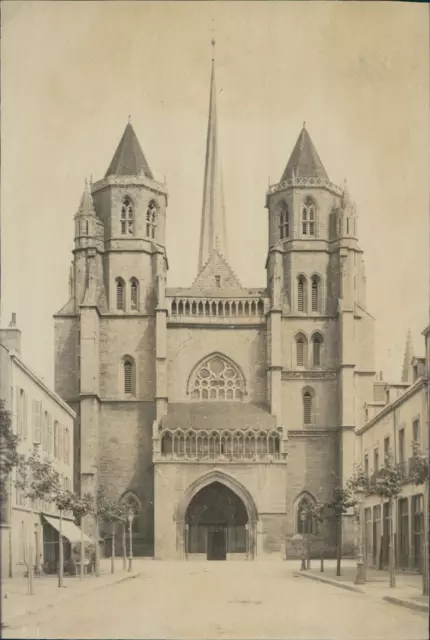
(217, 410)
(39, 418)
(397, 417)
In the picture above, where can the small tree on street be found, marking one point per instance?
(387, 484)
(9, 457)
(318, 511)
(37, 480)
(342, 500)
(419, 474)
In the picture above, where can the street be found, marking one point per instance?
(223, 600)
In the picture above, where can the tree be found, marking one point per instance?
(318, 511)
(342, 500)
(387, 484)
(81, 506)
(37, 480)
(419, 474)
(9, 457)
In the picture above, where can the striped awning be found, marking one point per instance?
(68, 529)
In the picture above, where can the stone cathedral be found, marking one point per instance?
(219, 413)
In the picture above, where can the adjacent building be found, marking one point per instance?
(398, 418)
(216, 411)
(40, 418)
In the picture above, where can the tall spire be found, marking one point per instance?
(409, 354)
(213, 234)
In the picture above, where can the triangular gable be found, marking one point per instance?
(217, 266)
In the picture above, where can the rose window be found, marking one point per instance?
(217, 379)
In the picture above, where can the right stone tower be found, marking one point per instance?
(320, 334)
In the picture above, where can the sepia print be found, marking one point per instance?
(215, 339)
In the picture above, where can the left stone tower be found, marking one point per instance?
(110, 336)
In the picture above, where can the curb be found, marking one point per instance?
(415, 606)
(15, 621)
(333, 583)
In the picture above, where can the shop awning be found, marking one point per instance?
(68, 529)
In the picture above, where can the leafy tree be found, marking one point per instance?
(9, 457)
(319, 513)
(387, 484)
(342, 500)
(37, 480)
(419, 474)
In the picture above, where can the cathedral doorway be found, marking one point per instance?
(216, 523)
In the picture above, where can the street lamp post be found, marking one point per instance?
(302, 520)
(360, 577)
(130, 522)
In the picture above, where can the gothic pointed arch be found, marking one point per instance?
(132, 504)
(303, 506)
(216, 475)
(216, 377)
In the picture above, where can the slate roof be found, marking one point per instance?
(218, 415)
(129, 159)
(304, 160)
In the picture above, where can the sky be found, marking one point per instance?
(357, 73)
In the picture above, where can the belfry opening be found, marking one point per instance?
(216, 524)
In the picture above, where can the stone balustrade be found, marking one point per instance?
(217, 309)
(221, 445)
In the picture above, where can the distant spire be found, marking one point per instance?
(409, 354)
(213, 225)
(129, 159)
(86, 206)
(304, 161)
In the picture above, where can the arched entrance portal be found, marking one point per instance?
(216, 523)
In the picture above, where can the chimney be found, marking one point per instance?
(10, 337)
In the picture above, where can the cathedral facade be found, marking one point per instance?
(220, 413)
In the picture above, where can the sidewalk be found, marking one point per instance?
(407, 592)
(16, 603)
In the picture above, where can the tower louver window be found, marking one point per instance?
(128, 377)
(301, 293)
(307, 408)
(316, 350)
(120, 294)
(316, 294)
(300, 352)
(134, 294)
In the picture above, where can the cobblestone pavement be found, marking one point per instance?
(223, 600)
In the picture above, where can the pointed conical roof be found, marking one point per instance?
(304, 161)
(213, 234)
(409, 354)
(86, 207)
(129, 159)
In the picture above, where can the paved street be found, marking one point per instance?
(223, 600)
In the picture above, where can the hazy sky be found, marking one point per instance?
(357, 73)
